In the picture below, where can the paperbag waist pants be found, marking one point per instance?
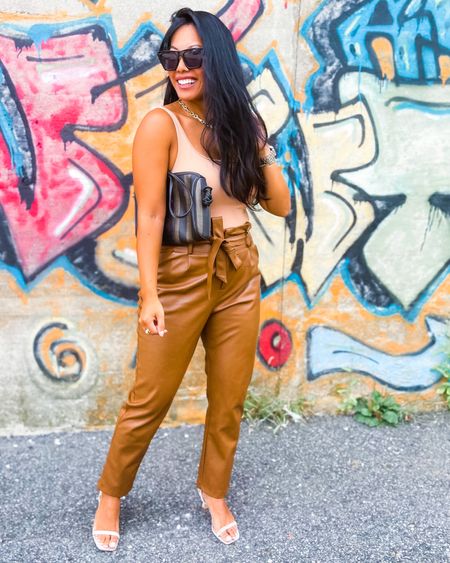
(209, 290)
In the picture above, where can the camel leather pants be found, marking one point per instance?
(209, 290)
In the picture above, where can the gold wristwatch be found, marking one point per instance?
(270, 158)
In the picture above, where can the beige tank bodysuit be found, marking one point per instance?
(233, 212)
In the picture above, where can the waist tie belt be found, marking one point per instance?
(226, 243)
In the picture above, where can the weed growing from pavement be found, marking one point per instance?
(377, 409)
(444, 370)
(260, 408)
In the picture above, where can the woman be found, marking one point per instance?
(208, 289)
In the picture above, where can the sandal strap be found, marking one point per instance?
(225, 528)
(105, 533)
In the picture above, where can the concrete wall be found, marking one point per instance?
(356, 288)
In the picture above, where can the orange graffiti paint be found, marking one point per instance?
(444, 65)
(385, 55)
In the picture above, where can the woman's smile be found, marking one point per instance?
(186, 82)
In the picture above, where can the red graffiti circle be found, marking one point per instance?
(274, 345)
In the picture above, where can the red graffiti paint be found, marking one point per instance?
(274, 345)
(240, 15)
(75, 193)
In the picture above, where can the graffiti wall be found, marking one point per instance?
(356, 291)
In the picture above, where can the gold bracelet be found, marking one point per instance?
(270, 158)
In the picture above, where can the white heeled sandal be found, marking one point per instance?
(223, 529)
(95, 533)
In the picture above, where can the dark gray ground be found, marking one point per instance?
(328, 490)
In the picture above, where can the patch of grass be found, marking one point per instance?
(260, 408)
(375, 410)
(444, 370)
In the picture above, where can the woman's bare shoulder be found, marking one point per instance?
(156, 126)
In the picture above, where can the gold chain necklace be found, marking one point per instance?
(193, 114)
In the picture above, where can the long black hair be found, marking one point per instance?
(237, 128)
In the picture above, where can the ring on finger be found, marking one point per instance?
(147, 330)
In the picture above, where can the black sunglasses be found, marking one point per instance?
(192, 58)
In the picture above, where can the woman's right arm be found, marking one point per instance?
(150, 162)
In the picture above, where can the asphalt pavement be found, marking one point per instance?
(322, 491)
